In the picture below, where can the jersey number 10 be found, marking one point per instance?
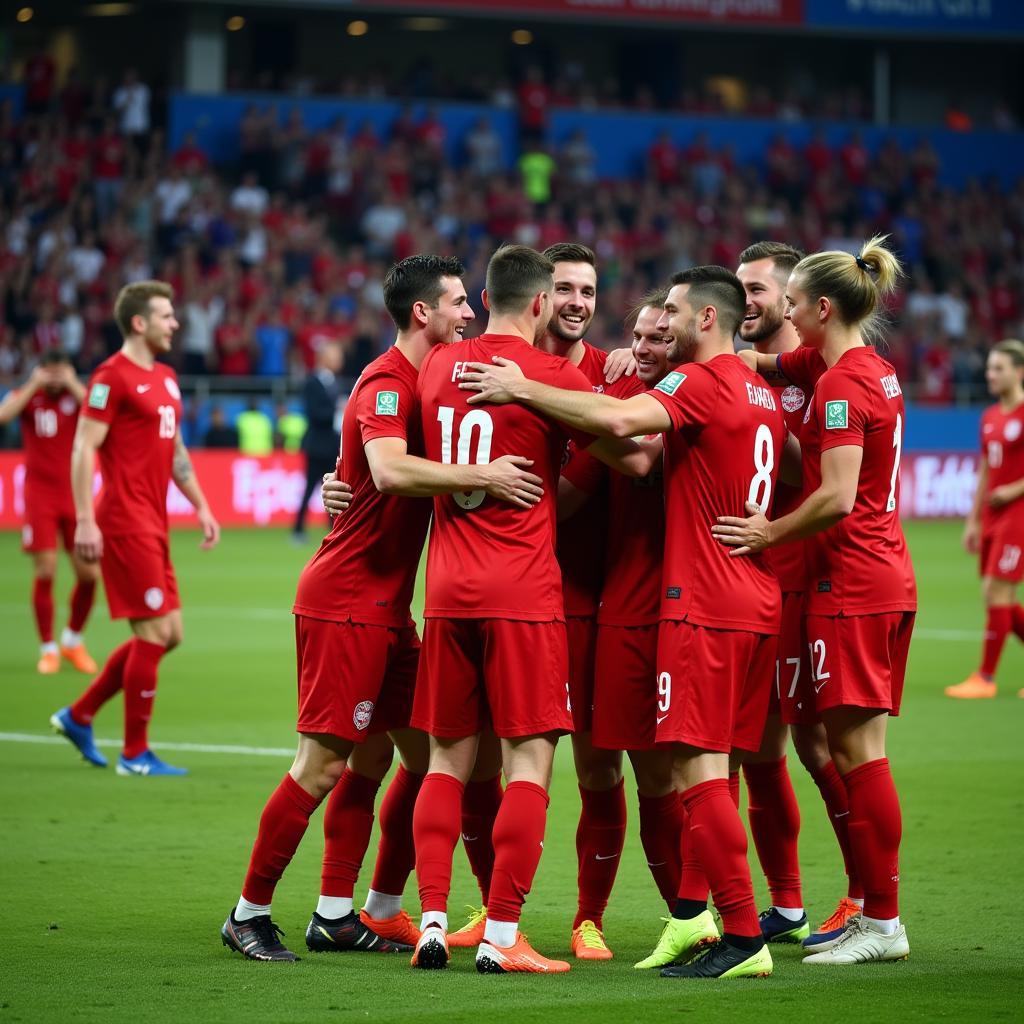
(478, 422)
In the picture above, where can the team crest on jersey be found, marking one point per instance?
(598, 389)
(1012, 430)
(670, 383)
(172, 388)
(387, 403)
(793, 398)
(362, 714)
(98, 396)
(68, 406)
(154, 598)
(837, 415)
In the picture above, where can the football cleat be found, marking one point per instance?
(777, 928)
(588, 942)
(725, 961)
(80, 658)
(830, 931)
(520, 958)
(48, 663)
(398, 928)
(256, 939)
(862, 943)
(431, 952)
(680, 940)
(472, 932)
(348, 934)
(79, 735)
(147, 763)
(974, 687)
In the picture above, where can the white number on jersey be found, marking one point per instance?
(664, 692)
(897, 443)
(46, 422)
(167, 424)
(795, 664)
(995, 454)
(764, 462)
(478, 422)
(819, 676)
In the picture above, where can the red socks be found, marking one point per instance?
(480, 804)
(833, 791)
(103, 687)
(876, 827)
(693, 883)
(518, 844)
(721, 844)
(82, 598)
(599, 840)
(1000, 622)
(42, 606)
(435, 830)
(775, 825)
(282, 826)
(139, 690)
(348, 822)
(1017, 621)
(396, 856)
(661, 824)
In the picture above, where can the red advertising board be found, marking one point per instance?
(722, 12)
(246, 491)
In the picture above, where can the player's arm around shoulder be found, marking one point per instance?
(184, 476)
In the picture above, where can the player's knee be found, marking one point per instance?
(372, 760)
(45, 568)
(812, 749)
(653, 780)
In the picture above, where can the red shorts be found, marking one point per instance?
(792, 696)
(625, 687)
(138, 576)
(500, 673)
(859, 660)
(46, 522)
(581, 636)
(355, 680)
(713, 686)
(1002, 545)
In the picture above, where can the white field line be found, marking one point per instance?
(196, 748)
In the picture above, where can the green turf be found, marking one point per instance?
(114, 889)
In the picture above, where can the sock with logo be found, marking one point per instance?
(661, 824)
(348, 822)
(283, 823)
(139, 682)
(599, 840)
(775, 826)
(876, 828)
(105, 686)
(396, 855)
(435, 831)
(833, 791)
(518, 844)
(481, 802)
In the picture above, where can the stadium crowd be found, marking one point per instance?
(288, 248)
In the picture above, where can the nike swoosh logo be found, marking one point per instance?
(142, 388)
(469, 839)
(661, 718)
(842, 815)
(818, 689)
(611, 856)
(660, 864)
(147, 693)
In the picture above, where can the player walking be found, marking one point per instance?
(131, 421)
(995, 526)
(862, 593)
(47, 405)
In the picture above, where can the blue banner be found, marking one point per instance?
(965, 17)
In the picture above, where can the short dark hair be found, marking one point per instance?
(54, 357)
(655, 297)
(718, 287)
(133, 300)
(515, 274)
(417, 279)
(570, 252)
(784, 257)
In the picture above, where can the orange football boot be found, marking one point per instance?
(48, 663)
(974, 687)
(472, 932)
(398, 928)
(521, 958)
(79, 658)
(588, 942)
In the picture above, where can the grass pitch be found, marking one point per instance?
(115, 889)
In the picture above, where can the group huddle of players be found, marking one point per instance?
(687, 554)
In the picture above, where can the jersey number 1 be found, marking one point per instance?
(476, 421)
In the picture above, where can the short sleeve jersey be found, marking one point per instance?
(142, 408)
(47, 433)
(723, 450)
(1002, 445)
(581, 537)
(631, 595)
(488, 558)
(861, 566)
(365, 569)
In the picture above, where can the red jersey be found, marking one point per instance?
(631, 595)
(489, 558)
(47, 432)
(143, 409)
(1002, 445)
(861, 566)
(365, 569)
(581, 537)
(723, 451)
